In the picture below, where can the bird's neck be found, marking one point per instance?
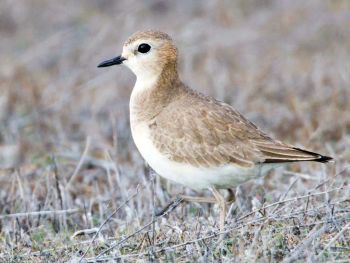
(152, 93)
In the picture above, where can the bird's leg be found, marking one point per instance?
(222, 204)
(186, 198)
(231, 196)
(201, 199)
(198, 199)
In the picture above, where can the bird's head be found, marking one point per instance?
(146, 53)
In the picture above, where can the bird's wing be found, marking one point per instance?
(208, 133)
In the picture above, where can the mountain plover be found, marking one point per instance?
(190, 138)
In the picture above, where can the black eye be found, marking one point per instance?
(143, 48)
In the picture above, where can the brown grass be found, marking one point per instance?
(68, 161)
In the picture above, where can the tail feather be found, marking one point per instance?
(318, 157)
(308, 156)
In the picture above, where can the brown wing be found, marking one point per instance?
(209, 133)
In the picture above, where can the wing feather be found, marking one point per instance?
(214, 134)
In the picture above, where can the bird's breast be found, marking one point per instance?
(192, 176)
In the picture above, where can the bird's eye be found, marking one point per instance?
(143, 48)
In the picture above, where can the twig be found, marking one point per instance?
(81, 161)
(284, 195)
(293, 200)
(108, 218)
(181, 244)
(346, 227)
(176, 246)
(300, 175)
(236, 227)
(104, 164)
(179, 200)
(210, 236)
(36, 213)
(298, 251)
(57, 182)
(85, 232)
(170, 209)
(154, 208)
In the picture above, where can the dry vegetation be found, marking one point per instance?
(68, 162)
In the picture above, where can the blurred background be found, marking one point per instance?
(64, 124)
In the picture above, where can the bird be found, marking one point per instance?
(188, 137)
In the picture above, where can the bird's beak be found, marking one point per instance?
(114, 61)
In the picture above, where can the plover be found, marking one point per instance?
(190, 138)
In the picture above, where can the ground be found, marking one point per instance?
(68, 162)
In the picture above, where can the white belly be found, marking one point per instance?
(226, 176)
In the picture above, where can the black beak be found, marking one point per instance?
(114, 61)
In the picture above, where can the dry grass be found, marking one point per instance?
(68, 160)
